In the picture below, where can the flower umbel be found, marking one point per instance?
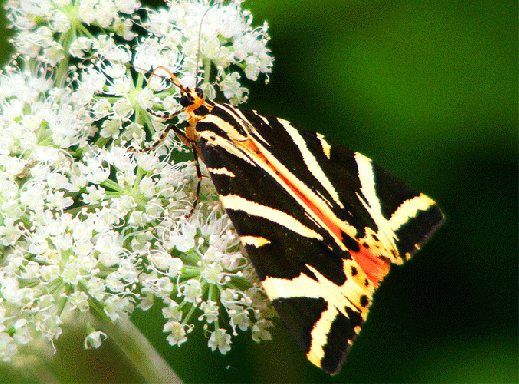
(86, 226)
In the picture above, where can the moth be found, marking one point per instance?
(320, 223)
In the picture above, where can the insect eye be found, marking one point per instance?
(199, 93)
(185, 101)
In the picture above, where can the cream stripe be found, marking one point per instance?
(325, 145)
(409, 209)
(310, 161)
(237, 203)
(225, 126)
(300, 286)
(367, 184)
(305, 286)
(221, 171)
(371, 202)
(261, 117)
(255, 241)
(320, 333)
(238, 116)
(218, 141)
(255, 133)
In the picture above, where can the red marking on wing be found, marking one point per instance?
(374, 267)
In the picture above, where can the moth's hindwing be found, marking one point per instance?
(320, 223)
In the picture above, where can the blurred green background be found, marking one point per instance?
(428, 89)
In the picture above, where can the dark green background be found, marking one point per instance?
(428, 89)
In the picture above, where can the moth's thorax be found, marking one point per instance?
(197, 109)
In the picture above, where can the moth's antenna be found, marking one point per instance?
(199, 39)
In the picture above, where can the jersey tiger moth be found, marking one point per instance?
(320, 223)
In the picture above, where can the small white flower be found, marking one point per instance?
(87, 12)
(166, 263)
(123, 109)
(111, 128)
(53, 54)
(229, 296)
(57, 181)
(220, 339)
(93, 340)
(58, 201)
(173, 312)
(123, 205)
(252, 69)
(80, 46)
(10, 232)
(71, 273)
(177, 333)
(49, 272)
(127, 6)
(147, 187)
(212, 273)
(21, 331)
(260, 330)
(108, 14)
(175, 267)
(10, 290)
(185, 237)
(96, 288)
(147, 301)
(116, 306)
(232, 89)
(191, 290)
(59, 21)
(239, 318)
(79, 300)
(164, 286)
(8, 347)
(94, 195)
(211, 311)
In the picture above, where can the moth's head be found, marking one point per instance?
(192, 101)
(190, 97)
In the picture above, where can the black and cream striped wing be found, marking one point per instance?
(320, 223)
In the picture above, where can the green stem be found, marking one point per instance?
(138, 349)
(207, 71)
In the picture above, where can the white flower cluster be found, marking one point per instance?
(84, 224)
